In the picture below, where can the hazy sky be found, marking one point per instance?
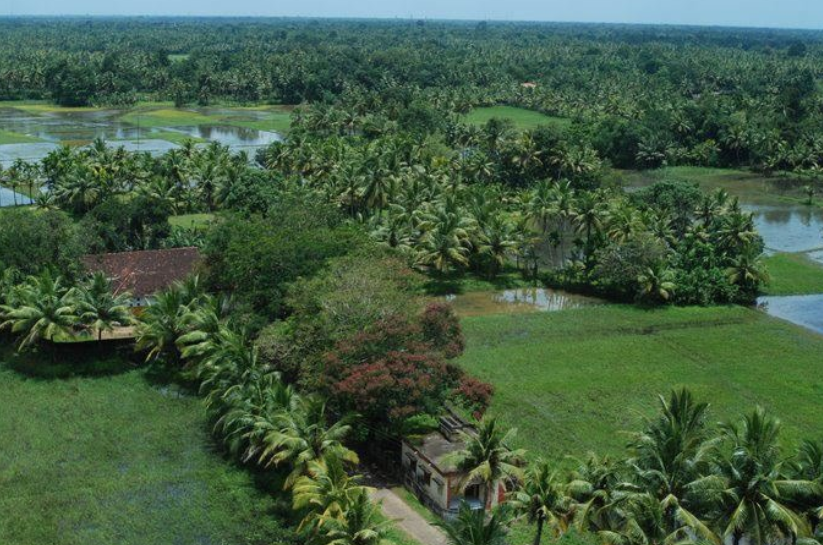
(771, 13)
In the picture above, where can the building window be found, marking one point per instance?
(472, 492)
(427, 478)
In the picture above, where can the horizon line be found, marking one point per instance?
(716, 26)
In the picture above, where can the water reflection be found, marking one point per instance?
(78, 128)
(789, 228)
(803, 310)
(518, 301)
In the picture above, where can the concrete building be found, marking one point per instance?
(437, 484)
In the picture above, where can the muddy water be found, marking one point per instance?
(518, 301)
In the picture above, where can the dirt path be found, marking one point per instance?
(408, 520)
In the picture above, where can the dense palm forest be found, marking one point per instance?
(641, 95)
(311, 328)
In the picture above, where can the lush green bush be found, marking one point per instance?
(256, 257)
(31, 241)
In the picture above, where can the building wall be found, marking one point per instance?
(438, 490)
(434, 489)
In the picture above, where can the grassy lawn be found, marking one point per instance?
(7, 137)
(267, 118)
(523, 119)
(794, 274)
(572, 381)
(114, 459)
(191, 221)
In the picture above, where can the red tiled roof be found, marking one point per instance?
(144, 273)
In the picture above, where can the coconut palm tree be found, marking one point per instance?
(301, 436)
(669, 455)
(362, 524)
(162, 324)
(592, 487)
(809, 467)
(42, 308)
(99, 308)
(747, 270)
(542, 499)
(754, 496)
(325, 492)
(473, 527)
(487, 458)
(656, 284)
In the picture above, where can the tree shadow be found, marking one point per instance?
(57, 362)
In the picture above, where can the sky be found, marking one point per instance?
(759, 13)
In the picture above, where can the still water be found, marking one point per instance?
(77, 128)
(803, 310)
(518, 301)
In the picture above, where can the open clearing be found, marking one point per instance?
(793, 274)
(572, 381)
(114, 459)
(523, 119)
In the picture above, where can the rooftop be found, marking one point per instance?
(435, 447)
(144, 273)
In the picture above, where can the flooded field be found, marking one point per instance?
(153, 131)
(790, 228)
(803, 310)
(518, 301)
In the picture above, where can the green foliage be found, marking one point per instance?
(256, 258)
(33, 241)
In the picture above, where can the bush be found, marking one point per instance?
(32, 241)
(257, 257)
(441, 329)
(620, 265)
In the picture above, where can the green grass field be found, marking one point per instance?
(523, 119)
(7, 137)
(262, 118)
(166, 117)
(114, 459)
(572, 381)
(793, 274)
(191, 221)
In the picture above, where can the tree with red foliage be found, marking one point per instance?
(441, 328)
(386, 373)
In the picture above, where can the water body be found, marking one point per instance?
(9, 198)
(803, 310)
(77, 128)
(789, 228)
(518, 301)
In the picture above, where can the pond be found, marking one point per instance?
(803, 310)
(518, 301)
(789, 228)
(78, 128)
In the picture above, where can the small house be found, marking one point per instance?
(144, 273)
(438, 484)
